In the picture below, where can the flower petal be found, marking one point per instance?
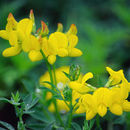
(35, 55)
(12, 51)
(4, 34)
(51, 59)
(87, 76)
(74, 52)
(116, 109)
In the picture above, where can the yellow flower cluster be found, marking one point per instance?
(22, 36)
(112, 97)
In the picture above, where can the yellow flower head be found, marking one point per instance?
(16, 33)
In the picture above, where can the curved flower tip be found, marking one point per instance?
(72, 29)
(52, 59)
(35, 55)
(87, 76)
(44, 29)
(60, 27)
(12, 51)
(31, 14)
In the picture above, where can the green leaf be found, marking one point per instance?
(66, 74)
(28, 112)
(7, 125)
(52, 85)
(50, 90)
(76, 126)
(58, 96)
(40, 116)
(29, 85)
(5, 99)
(2, 128)
(29, 101)
(36, 126)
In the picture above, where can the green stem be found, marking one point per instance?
(51, 78)
(98, 122)
(53, 66)
(21, 125)
(71, 113)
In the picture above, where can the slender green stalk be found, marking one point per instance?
(98, 122)
(19, 112)
(48, 66)
(53, 66)
(51, 78)
(71, 113)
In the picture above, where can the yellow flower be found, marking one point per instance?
(101, 96)
(55, 45)
(60, 44)
(87, 104)
(31, 45)
(15, 32)
(73, 40)
(81, 86)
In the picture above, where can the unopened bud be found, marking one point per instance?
(31, 16)
(72, 29)
(74, 72)
(60, 27)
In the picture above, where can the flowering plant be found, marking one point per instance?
(65, 91)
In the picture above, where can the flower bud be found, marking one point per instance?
(60, 27)
(74, 72)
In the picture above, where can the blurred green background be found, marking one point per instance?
(103, 31)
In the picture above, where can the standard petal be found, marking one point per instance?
(73, 40)
(30, 43)
(61, 38)
(25, 25)
(13, 39)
